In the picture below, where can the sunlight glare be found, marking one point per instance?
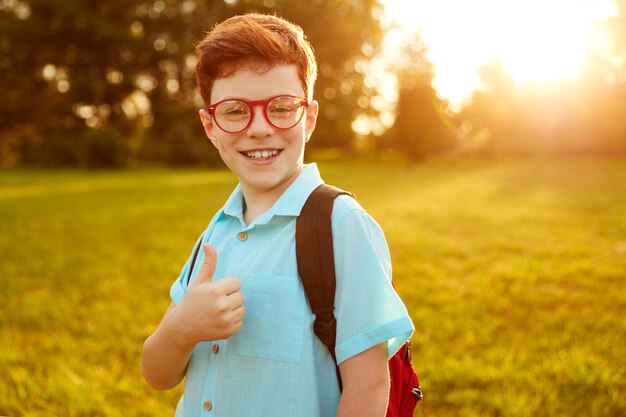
(534, 40)
(545, 41)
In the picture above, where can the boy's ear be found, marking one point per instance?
(209, 127)
(311, 119)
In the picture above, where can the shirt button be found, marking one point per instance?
(243, 236)
(208, 405)
(216, 348)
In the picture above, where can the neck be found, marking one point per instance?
(258, 201)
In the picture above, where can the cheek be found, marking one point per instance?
(227, 153)
(224, 143)
(221, 149)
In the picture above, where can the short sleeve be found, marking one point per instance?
(367, 308)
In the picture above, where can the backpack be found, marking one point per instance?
(316, 266)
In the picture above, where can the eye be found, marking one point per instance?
(233, 109)
(282, 106)
(280, 109)
(237, 111)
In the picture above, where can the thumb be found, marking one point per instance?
(205, 275)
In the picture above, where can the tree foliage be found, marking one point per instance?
(69, 69)
(422, 126)
(559, 118)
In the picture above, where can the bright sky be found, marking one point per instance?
(535, 40)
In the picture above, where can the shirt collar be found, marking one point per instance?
(294, 197)
(234, 205)
(290, 203)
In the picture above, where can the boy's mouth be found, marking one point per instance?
(262, 154)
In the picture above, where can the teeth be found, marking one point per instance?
(262, 154)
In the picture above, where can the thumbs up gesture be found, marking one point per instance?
(205, 275)
(210, 310)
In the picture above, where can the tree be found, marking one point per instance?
(67, 68)
(422, 126)
(557, 118)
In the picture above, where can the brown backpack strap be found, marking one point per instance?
(195, 256)
(316, 261)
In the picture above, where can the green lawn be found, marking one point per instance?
(514, 273)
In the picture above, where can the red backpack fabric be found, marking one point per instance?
(314, 251)
(405, 390)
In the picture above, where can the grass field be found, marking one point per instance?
(514, 273)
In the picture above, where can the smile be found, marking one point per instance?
(264, 154)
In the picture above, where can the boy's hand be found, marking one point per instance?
(210, 310)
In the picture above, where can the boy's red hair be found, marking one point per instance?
(261, 41)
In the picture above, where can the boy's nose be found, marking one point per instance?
(259, 127)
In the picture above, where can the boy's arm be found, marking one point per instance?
(365, 380)
(164, 359)
(209, 311)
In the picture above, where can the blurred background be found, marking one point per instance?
(111, 84)
(487, 138)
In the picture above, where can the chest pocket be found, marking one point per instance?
(273, 327)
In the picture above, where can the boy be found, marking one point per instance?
(241, 333)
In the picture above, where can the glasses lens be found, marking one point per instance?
(232, 115)
(285, 112)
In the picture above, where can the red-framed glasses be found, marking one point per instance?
(236, 115)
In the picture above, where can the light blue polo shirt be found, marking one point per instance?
(276, 366)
